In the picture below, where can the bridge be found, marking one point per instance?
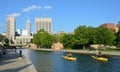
(20, 45)
(13, 46)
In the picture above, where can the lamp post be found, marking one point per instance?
(20, 53)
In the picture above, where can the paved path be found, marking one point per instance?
(11, 63)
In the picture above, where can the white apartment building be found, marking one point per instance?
(10, 28)
(43, 23)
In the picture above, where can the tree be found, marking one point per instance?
(68, 40)
(43, 39)
(1, 37)
(118, 38)
(6, 40)
(104, 36)
(58, 37)
(81, 35)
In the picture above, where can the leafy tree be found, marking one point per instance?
(104, 36)
(81, 35)
(118, 38)
(6, 40)
(88, 35)
(91, 35)
(1, 37)
(68, 40)
(58, 37)
(43, 39)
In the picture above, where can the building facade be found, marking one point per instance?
(43, 23)
(111, 26)
(28, 27)
(23, 39)
(10, 28)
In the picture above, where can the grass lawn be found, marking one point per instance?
(112, 50)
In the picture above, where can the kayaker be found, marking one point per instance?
(64, 53)
(98, 53)
(69, 54)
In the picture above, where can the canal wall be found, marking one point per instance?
(92, 52)
(1, 50)
(31, 68)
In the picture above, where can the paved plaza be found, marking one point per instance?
(10, 62)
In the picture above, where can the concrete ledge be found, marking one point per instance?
(31, 67)
(85, 52)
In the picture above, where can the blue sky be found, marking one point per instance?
(66, 14)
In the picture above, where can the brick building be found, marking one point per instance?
(110, 26)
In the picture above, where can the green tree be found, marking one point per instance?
(43, 39)
(6, 40)
(1, 37)
(58, 37)
(81, 35)
(118, 38)
(91, 35)
(68, 40)
(104, 36)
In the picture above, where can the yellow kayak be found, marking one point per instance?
(100, 58)
(69, 58)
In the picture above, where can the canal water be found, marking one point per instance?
(46, 61)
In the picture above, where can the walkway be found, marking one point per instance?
(11, 63)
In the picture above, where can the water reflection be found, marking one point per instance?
(45, 61)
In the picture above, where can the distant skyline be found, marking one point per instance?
(66, 14)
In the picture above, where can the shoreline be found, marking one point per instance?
(93, 52)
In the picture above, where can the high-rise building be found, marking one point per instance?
(10, 28)
(28, 27)
(43, 23)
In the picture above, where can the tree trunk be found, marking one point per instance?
(83, 47)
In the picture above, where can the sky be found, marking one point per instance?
(66, 15)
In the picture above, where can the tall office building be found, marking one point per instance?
(10, 28)
(43, 23)
(28, 27)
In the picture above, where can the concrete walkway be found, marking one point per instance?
(11, 63)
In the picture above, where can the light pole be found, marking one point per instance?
(20, 53)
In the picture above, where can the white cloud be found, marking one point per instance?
(48, 7)
(14, 14)
(33, 7)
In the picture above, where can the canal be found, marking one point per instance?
(46, 61)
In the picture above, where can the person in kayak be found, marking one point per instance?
(64, 53)
(98, 53)
(69, 54)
